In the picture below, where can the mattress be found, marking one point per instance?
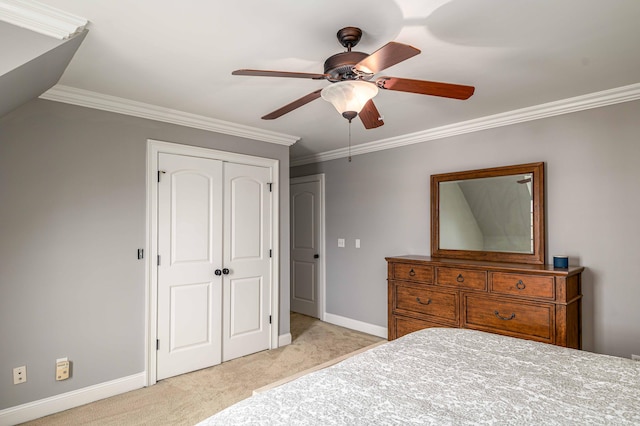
(443, 376)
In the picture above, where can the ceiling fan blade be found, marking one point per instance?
(370, 116)
(388, 55)
(267, 73)
(293, 105)
(422, 87)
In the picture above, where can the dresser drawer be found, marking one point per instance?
(408, 272)
(461, 278)
(405, 325)
(522, 285)
(511, 317)
(411, 299)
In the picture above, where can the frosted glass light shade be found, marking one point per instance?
(350, 95)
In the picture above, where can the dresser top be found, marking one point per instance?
(514, 267)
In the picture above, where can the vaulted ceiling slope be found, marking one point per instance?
(526, 59)
(30, 64)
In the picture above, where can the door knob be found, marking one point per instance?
(225, 271)
(315, 256)
(218, 272)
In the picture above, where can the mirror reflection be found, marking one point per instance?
(487, 214)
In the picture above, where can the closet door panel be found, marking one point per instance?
(247, 261)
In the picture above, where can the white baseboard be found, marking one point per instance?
(284, 340)
(364, 327)
(44, 407)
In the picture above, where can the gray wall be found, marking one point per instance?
(72, 216)
(593, 206)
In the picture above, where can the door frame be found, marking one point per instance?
(154, 148)
(322, 264)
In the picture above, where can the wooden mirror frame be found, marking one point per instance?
(538, 255)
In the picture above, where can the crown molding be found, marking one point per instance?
(86, 98)
(565, 106)
(41, 18)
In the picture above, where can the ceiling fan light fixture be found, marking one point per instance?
(350, 96)
(352, 88)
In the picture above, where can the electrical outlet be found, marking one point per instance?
(63, 366)
(635, 357)
(19, 375)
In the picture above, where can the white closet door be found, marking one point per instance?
(305, 247)
(247, 236)
(190, 248)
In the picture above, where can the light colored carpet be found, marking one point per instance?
(190, 398)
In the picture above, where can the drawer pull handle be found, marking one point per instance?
(520, 285)
(460, 278)
(428, 302)
(513, 315)
(412, 273)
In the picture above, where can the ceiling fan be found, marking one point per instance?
(352, 75)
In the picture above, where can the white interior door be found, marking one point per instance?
(247, 260)
(306, 245)
(190, 227)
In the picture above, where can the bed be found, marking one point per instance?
(445, 376)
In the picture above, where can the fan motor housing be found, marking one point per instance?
(340, 66)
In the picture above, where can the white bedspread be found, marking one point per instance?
(453, 377)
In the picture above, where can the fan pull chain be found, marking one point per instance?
(349, 140)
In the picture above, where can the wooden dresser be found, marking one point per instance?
(535, 302)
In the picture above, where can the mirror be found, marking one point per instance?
(492, 214)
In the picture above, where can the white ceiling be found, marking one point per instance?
(517, 53)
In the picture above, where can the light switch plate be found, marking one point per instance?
(340, 242)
